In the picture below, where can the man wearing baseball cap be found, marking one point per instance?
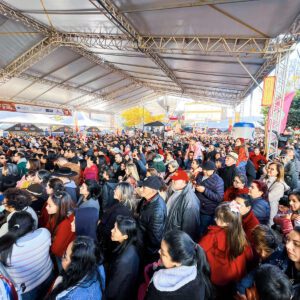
(229, 171)
(183, 206)
(152, 217)
(210, 191)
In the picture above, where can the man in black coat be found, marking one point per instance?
(229, 171)
(152, 215)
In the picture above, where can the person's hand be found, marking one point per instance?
(200, 188)
(296, 217)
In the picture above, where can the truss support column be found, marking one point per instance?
(276, 110)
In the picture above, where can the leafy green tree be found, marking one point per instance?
(294, 113)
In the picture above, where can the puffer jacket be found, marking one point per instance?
(261, 209)
(184, 213)
(151, 225)
(213, 194)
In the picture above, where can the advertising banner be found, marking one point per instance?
(24, 108)
(268, 91)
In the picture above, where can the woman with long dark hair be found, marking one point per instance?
(124, 204)
(53, 185)
(24, 252)
(90, 192)
(293, 251)
(124, 267)
(60, 208)
(185, 273)
(83, 274)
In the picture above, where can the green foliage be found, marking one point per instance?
(294, 113)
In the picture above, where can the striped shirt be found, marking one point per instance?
(30, 263)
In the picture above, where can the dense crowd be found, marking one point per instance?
(144, 217)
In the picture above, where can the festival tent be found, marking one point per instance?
(65, 129)
(24, 128)
(93, 130)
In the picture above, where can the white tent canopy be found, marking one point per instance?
(109, 55)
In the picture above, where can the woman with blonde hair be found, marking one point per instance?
(131, 171)
(276, 186)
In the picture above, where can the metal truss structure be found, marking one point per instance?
(184, 44)
(276, 110)
(243, 47)
(112, 12)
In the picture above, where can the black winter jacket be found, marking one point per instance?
(151, 226)
(227, 174)
(185, 213)
(123, 274)
(213, 194)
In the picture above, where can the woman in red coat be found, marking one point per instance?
(239, 188)
(242, 151)
(226, 246)
(91, 171)
(60, 208)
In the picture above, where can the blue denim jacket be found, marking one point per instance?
(87, 290)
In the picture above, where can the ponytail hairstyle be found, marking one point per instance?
(235, 235)
(182, 249)
(44, 176)
(56, 185)
(19, 224)
(65, 206)
(82, 268)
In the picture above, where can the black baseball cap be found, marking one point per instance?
(152, 182)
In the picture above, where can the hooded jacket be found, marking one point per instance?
(184, 213)
(176, 284)
(261, 209)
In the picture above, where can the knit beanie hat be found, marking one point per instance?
(158, 163)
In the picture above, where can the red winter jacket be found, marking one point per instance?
(249, 223)
(241, 151)
(223, 270)
(256, 158)
(62, 236)
(231, 193)
(91, 173)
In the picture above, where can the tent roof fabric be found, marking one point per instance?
(108, 55)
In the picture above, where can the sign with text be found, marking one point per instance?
(24, 108)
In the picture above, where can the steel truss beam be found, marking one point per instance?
(15, 15)
(183, 44)
(27, 59)
(276, 113)
(113, 14)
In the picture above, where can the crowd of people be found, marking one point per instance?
(144, 217)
